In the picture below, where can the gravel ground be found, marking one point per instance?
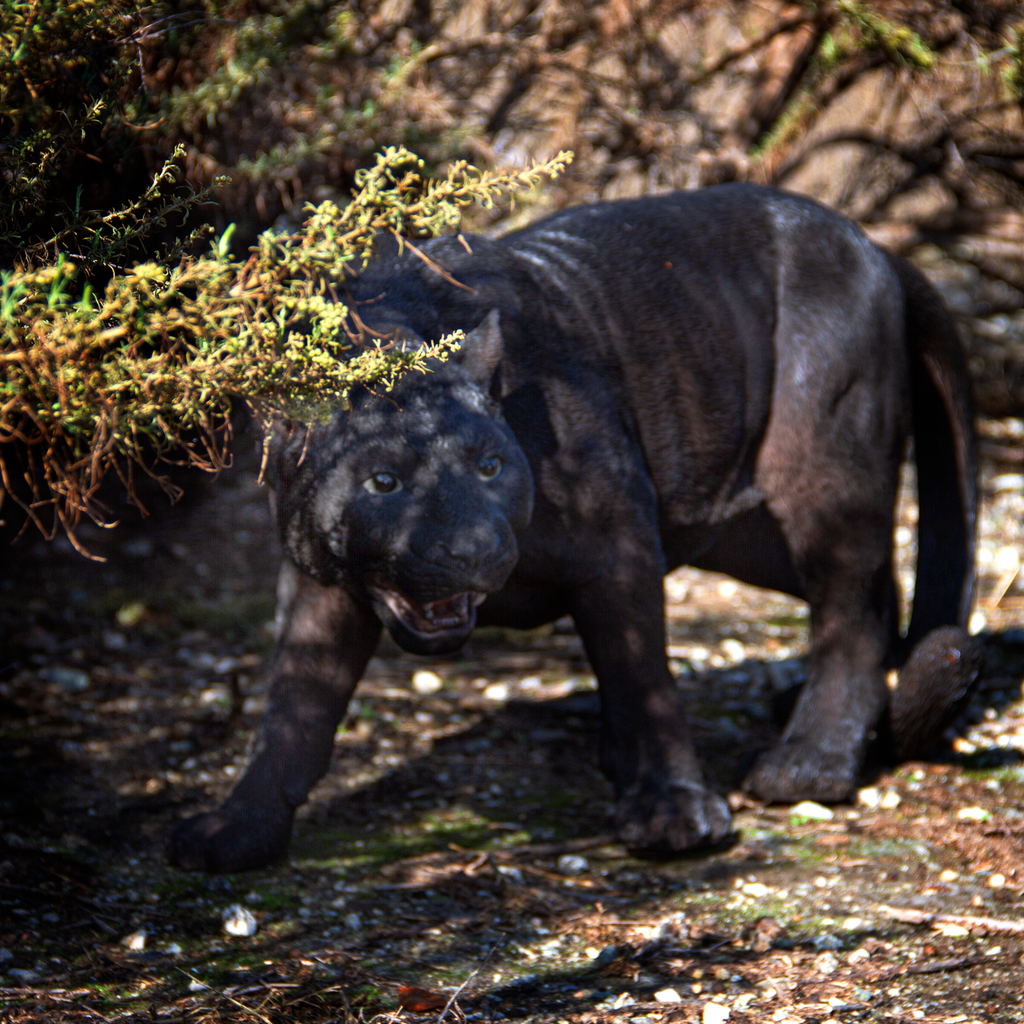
(459, 848)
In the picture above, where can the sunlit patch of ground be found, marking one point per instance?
(460, 843)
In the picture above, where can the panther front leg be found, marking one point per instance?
(663, 804)
(325, 641)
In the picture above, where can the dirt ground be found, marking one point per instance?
(458, 857)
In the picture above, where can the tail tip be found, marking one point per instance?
(934, 686)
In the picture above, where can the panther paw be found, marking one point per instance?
(792, 772)
(659, 821)
(220, 842)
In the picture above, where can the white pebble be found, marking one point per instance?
(826, 963)
(733, 649)
(811, 810)
(870, 797)
(668, 995)
(714, 1013)
(572, 864)
(890, 800)
(426, 682)
(755, 889)
(238, 920)
(136, 941)
(972, 814)
(353, 921)
(497, 692)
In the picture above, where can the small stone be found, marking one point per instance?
(996, 881)
(667, 995)
(858, 956)
(426, 682)
(497, 692)
(572, 864)
(755, 889)
(339, 903)
(72, 680)
(714, 1013)
(733, 649)
(827, 941)
(950, 930)
(353, 921)
(511, 872)
(195, 985)
(239, 921)
(890, 801)
(173, 948)
(972, 814)
(623, 999)
(129, 614)
(22, 975)
(870, 797)
(136, 941)
(826, 963)
(253, 897)
(606, 956)
(114, 641)
(808, 810)
(5, 955)
(948, 876)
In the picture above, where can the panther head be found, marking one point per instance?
(412, 499)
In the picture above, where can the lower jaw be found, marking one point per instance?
(425, 636)
(435, 642)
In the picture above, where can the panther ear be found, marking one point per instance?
(479, 356)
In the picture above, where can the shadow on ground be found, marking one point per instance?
(460, 845)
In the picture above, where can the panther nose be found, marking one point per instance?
(472, 547)
(484, 555)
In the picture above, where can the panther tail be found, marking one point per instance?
(942, 662)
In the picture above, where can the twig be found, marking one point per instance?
(458, 991)
(432, 264)
(990, 924)
(785, 25)
(230, 999)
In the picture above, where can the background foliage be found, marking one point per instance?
(132, 131)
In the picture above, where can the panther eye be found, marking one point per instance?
(488, 467)
(383, 483)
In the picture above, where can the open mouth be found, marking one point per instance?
(455, 613)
